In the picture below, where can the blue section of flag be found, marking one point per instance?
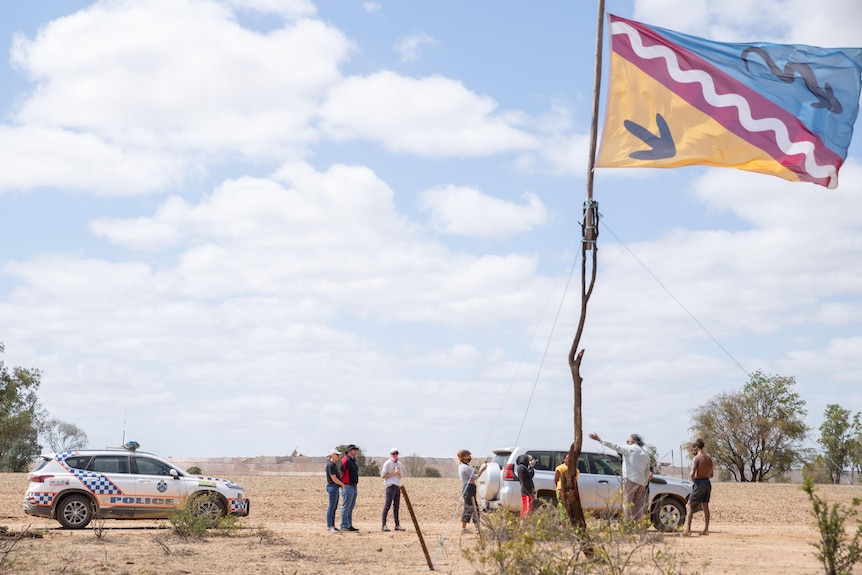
(819, 86)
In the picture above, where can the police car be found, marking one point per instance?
(73, 487)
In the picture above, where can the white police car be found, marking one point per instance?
(75, 486)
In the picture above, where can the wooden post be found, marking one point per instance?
(416, 525)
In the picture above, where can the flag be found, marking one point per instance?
(678, 100)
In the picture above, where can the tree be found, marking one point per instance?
(62, 436)
(414, 466)
(20, 416)
(756, 434)
(431, 472)
(839, 439)
(367, 467)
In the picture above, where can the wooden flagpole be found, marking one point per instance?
(569, 493)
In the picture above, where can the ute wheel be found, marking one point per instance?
(209, 506)
(668, 514)
(75, 512)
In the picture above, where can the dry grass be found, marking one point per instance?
(761, 528)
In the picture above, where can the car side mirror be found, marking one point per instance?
(174, 473)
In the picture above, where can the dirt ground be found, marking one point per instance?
(755, 528)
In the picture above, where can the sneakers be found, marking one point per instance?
(386, 529)
(399, 528)
(351, 528)
(332, 529)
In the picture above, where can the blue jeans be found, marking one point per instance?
(348, 502)
(332, 490)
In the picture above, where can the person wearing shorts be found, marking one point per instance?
(701, 472)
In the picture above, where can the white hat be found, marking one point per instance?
(333, 452)
(393, 450)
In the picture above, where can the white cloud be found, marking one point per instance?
(371, 7)
(408, 47)
(831, 23)
(286, 8)
(35, 157)
(467, 211)
(433, 116)
(195, 83)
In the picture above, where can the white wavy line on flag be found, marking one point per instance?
(782, 137)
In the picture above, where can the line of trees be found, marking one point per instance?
(758, 434)
(23, 420)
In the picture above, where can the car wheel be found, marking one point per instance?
(209, 506)
(488, 484)
(668, 514)
(75, 512)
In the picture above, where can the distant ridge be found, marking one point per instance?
(287, 465)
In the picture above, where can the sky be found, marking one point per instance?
(232, 228)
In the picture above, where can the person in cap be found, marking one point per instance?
(468, 477)
(391, 474)
(636, 474)
(349, 480)
(333, 485)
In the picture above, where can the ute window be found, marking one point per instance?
(582, 464)
(603, 464)
(147, 466)
(544, 460)
(109, 464)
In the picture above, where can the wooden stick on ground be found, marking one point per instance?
(416, 525)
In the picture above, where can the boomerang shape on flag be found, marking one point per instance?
(678, 100)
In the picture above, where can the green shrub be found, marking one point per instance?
(200, 514)
(837, 551)
(542, 544)
(431, 472)
(194, 470)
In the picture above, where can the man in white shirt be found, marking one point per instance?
(391, 474)
(636, 474)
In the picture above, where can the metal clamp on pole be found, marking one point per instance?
(591, 223)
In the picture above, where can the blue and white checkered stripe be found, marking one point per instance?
(96, 483)
(238, 505)
(40, 497)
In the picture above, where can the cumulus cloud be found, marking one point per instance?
(468, 212)
(409, 47)
(433, 116)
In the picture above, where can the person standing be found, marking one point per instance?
(391, 474)
(559, 474)
(701, 472)
(468, 488)
(349, 479)
(636, 473)
(333, 485)
(526, 470)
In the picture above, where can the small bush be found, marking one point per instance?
(543, 544)
(431, 472)
(200, 514)
(837, 551)
(194, 470)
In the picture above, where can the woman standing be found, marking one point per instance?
(333, 484)
(468, 490)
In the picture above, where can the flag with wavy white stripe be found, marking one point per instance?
(674, 100)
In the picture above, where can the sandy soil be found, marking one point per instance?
(755, 528)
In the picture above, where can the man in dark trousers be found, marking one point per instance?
(350, 478)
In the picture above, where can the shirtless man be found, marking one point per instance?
(701, 472)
